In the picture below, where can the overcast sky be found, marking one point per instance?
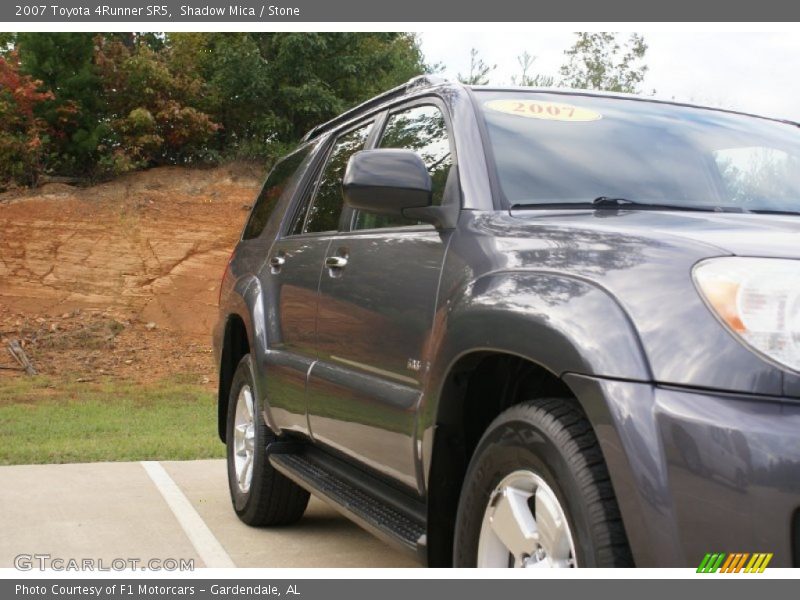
(752, 72)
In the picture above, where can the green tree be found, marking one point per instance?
(235, 81)
(63, 62)
(316, 76)
(526, 78)
(268, 89)
(479, 71)
(598, 61)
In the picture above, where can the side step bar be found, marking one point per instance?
(380, 509)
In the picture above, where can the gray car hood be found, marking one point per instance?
(730, 233)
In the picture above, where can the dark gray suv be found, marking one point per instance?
(523, 328)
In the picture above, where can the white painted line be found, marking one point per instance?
(205, 544)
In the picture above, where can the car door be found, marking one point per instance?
(291, 276)
(376, 309)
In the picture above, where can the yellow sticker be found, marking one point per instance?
(550, 111)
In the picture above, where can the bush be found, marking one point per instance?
(23, 135)
(150, 119)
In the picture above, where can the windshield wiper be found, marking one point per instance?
(771, 211)
(612, 203)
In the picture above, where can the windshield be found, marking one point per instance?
(556, 148)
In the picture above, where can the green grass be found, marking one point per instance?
(43, 420)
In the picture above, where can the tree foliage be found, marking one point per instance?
(598, 61)
(526, 77)
(479, 71)
(270, 88)
(150, 109)
(115, 102)
(22, 133)
(63, 62)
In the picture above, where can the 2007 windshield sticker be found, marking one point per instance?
(550, 111)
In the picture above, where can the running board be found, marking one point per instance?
(380, 509)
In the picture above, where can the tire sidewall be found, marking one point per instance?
(244, 503)
(512, 445)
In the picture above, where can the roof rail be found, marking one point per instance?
(413, 84)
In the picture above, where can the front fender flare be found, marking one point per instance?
(562, 323)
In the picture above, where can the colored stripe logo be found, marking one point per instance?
(737, 562)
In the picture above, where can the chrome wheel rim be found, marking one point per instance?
(525, 526)
(244, 434)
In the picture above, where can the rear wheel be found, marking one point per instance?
(537, 495)
(260, 495)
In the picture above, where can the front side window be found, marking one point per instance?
(279, 179)
(557, 148)
(424, 130)
(326, 207)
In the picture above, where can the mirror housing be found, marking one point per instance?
(387, 181)
(395, 182)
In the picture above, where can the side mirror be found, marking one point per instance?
(386, 181)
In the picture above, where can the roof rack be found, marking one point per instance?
(416, 83)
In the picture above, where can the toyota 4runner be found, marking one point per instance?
(523, 328)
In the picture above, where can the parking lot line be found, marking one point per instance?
(205, 544)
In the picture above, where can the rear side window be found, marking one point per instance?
(278, 180)
(326, 208)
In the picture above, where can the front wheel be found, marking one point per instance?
(260, 494)
(537, 495)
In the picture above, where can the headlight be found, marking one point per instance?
(758, 299)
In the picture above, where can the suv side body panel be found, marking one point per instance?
(373, 326)
(376, 313)
(292, 292)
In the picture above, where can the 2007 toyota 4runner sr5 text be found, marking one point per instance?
(523, 328)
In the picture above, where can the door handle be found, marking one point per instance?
(276, 262)
(336, 262)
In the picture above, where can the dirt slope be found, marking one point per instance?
(121, 278)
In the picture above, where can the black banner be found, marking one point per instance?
(731, 588)
(340, 11)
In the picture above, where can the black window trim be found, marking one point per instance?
(309, 178)
(311, 184)
(306, 165)
(499, 200)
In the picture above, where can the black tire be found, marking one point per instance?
(553, 439)
(272, 499)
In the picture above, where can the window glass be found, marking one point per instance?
(279, 179)
(563, 148)
(328, 201)
(759, 174)
(422, 129)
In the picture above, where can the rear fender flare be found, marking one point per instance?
(246, 300)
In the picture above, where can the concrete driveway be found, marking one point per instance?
(152, 510)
